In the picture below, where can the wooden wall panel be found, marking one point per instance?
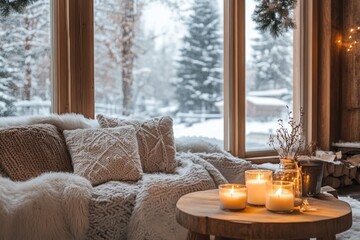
(330, 28)
(350, 114)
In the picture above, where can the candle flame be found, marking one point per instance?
(232, 191)
(258, 178)
(278, 192)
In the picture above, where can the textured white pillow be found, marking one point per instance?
(155, 138)
(105, 154)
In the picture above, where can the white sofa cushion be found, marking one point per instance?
(101, 155)
(155, 138)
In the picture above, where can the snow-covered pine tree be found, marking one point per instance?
(18, 6)
(8, 70)
(272, 61)
(118, 25)
(199, 76)
(25, 44)
(6, 98)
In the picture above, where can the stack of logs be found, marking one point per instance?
(337, 174)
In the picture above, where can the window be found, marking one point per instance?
(25, 61)
(159, 50)
(264, 78)
(157, 58)
(269, 80)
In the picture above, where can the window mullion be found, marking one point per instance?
(237, 77)
(73, 62)
(60, 74)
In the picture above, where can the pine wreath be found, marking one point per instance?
(275, 16)
(9, 6)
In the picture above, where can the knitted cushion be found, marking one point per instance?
(30, 150)
(155, 139)
(101, 155)
(3, 173)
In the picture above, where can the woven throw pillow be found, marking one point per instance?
(3, 173)
(155, 139)
(30, 150)
(101, 155)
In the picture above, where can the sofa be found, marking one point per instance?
(69, 177)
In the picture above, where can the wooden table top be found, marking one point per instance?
(200, 212)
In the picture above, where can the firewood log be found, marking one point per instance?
(338, 170)
(332, 181)
(357, 178)
(345, 170)
(352, 172)
(330, 168)
(345, 181)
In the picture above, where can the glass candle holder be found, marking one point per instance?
(294, 176)
(280, 196)
(232, 196)
(256, 181)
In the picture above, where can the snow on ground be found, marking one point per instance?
(266, 101)
(215, 128)
(257, 133)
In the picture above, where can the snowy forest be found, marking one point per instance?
(152, 57)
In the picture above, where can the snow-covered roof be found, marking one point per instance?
(266, 101)
(269, 93)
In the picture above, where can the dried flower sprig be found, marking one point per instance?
(290, 143)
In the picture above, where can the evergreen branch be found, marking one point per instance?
(9, 6)
(275, 16)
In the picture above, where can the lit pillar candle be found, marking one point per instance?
(232, 196)
(256, 181)
(280, 197)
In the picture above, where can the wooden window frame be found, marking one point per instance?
(73, 57)
(73, 68)
(305, 69)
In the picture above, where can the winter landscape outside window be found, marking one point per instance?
(25, 61)
(157, 58)
(269, 81)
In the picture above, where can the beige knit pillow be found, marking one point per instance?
(101, 155)
(30, 150)
(155, 139)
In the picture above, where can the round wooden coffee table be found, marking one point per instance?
(199, 212)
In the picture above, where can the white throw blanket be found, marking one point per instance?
(154, 212)
(146, 209)
(51, 206)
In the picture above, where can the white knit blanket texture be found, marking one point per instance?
(148, 208)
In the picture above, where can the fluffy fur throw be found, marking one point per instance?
(51, 206)
(67, 121)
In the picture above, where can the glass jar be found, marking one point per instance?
(232, 196)
(289, 171)
(280, 196)
(256, 181)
